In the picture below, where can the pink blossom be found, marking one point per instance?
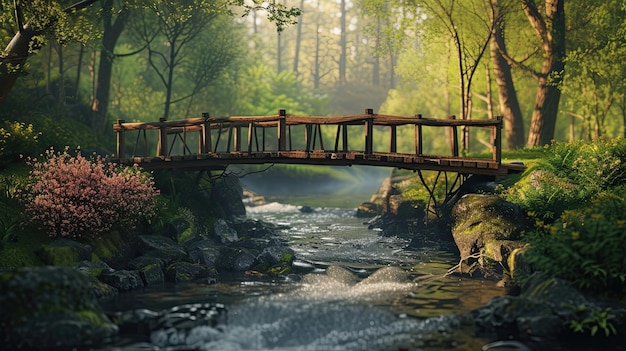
(74, 197)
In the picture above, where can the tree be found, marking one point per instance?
(470, 42)
(113, 22)
(595, 80)
(34, 20)
(509, 104)
(550, 29)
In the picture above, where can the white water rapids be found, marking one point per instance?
(360, 294)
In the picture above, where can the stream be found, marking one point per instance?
(355, 290)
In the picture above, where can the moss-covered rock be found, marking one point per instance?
(65, 252)
(115, 248)
(186, 272)
(486, 229)
(151, 269)
(50, 307)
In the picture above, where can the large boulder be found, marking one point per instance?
(151, 269)
(545, 310)
(186, 272)
(122, 280)
(228, 194)
(65, 252)
(162, 247)
(486, 229)
(50, 307)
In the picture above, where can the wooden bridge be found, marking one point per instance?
(214, 143)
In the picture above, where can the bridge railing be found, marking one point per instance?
(208, 133)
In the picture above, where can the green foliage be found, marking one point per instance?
(262, 91)
(585, 246)
(11, 211)
(569, 176)
(592, 320)
(17, 140)
(575, 194)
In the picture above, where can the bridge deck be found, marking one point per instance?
(213, 152)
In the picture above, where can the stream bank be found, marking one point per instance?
(241, 244)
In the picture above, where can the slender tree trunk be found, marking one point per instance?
(509, 104)
(376, 68)
(61, 92)
(112, 31)
(552, 34)
(81, 53)
(296, 56)
(343, 44)
(21, 47)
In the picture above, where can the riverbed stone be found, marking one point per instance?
(227, 193)
(486, 230)
(544, 309)
(254, 228)
(162, 247)
(65, 252)
(235, 259)
(225, 232)
(186, 272)
(150, 269)
(122, 280)
(50, 307)
(368, 210)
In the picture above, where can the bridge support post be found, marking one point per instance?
(497, 140)
(369, 130)
(205, 137)
(454, 142)
(418, 136)
(282, 130)
(162, 148)
(120, 140)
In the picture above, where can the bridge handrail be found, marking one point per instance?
(282, 121)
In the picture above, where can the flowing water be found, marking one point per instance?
(357, 290)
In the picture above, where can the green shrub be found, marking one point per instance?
(585, 246)
(17, 140)
(570, 176)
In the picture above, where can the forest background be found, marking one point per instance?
(553, 69)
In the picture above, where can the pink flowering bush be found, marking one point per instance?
(76, 197)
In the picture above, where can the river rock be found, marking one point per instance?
(255, 228)
(122, 280)
(544, 310)
(368, 210)
(235, 259)
(224, 231)
(50, 307)
(65, 252)
(486, 229)
(186, 272)
(228, 194)
(162, 247)
(203, 252)
(273, 255)
(180, 230)
(150, 269)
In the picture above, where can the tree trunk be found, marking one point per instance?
(296, 57)
(552, 34)
(16, 54)
(509, 104)
(112, 32)
(343, 44)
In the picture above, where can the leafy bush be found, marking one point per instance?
(16, 140)
(585, 246)
(570, 176)
(74, 197)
